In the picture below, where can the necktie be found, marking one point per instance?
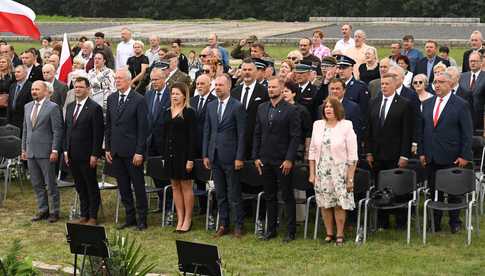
(472, 85)
(34, 115)
(156, 103)
(121, 102)
(437, 113)
(201, 104)
(219, 111)
(17, 91)
(382, 116)
(245, 98)
(76, 113)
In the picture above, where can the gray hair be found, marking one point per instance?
(424, 78)
(21, 66)
(477, 32)
(361, 32)
(48, 66)
(88, 43)
(398, 70)
(453, 71)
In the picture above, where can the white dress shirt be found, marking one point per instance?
(342, 45)
(124, 50)
(303, 87)
(250, 92)
(388, 104)
(223, 107)
(442, 106)
(41, 103)
(80, 108)
(476, 74)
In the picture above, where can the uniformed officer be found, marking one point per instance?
(356, 90)
(261, 66)
(308, 92)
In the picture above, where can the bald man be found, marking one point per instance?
(41, 144)
(59, 93)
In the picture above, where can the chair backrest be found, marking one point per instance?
(478, 151)
(362, 181)
(399, 181)
(299, 177)
(10, 147)
(250, 176)
(155, 168)
(455, 181)
(9, 130)
(415, 165)
(200, 172)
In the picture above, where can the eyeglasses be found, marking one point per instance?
(292, 58)
(202, 56)
(417, 82)
(205, 71)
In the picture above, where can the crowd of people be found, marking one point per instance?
(332, 109)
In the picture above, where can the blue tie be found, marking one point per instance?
(156, 104)
(219, 112)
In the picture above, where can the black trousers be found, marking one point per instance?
(383, 215)
(126, 176)
(274, 180)
(87, 187)
(454, 215)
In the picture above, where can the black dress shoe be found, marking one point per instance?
(142, 226)
(53, 218)
(455, 228)
(268, 236)
(126, 225)
(289, 238)
(40, 216)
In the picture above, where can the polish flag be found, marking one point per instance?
(17, 18)
(65, 63)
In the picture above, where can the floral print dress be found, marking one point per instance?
(330, 189)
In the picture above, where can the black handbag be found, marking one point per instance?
(382, 197)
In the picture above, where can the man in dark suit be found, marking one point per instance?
(355, 90)
(458, 90)
(223, 151)
(174, 73)
(276, 139)
(59, 93)
(389, 134)
(199, 103)
(251, 94)
(157, 101)
(476, 41)
(19, 95)
(426, 64)
(126, 133)
(82, 148)
(447, 140)
(34, 72)
(474, 81)
(308, 92)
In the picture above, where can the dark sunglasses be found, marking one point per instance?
(202, 56)
(292, 58)
(418, 82)
(205, 71)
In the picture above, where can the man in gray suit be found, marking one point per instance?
(474, 81)
(59, 89)
(223, 150)
(41, 143)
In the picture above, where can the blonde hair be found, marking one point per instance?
(139, 42)
(439, 66)
(9, 66)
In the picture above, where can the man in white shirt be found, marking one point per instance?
(124, 50)
(152, 53)
(346, 42)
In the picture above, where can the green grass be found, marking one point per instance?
(385, 253)
(279, 52)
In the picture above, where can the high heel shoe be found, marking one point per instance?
(186, 231)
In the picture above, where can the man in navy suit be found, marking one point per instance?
(276, 138)
(223, 151)
(426, 64)
(157, 100)
(126, 133)
(447, 140)
(458, 90)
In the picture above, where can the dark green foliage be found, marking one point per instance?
(14, 264)
(280, 10)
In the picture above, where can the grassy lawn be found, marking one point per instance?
(278, 52)
(386, 253)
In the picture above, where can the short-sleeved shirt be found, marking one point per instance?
(134, 64)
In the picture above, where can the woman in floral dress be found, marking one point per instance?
(333, 158)
(102, 80)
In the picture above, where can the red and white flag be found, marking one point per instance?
(17, 18)
(65, 63)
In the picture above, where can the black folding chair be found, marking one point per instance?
(10, 149)
(202, 174)
(399, 182)
(155, 168)
(456, 182)
(362, 188)
(250, 176)
(300, 182)
(478, 159)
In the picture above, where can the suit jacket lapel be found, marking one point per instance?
(42, 113)
(445, 109)
(127, 102)
(81, 113)
(392, 108)
(227, 110)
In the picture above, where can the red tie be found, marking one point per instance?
(472, 85)
(437, 113)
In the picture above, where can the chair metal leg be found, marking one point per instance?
(408, 236)
(165, 189)
(208, 209)
(358, 231)
(425, 218)
(317, 218)
(307, 215)
(366, 210)
(5, 187)
(117, 211)
(217, 220)
(417, 218)
(258, 204)
(469, 226)
(477, 218)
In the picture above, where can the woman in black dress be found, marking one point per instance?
(179, 151)
(6, 79)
